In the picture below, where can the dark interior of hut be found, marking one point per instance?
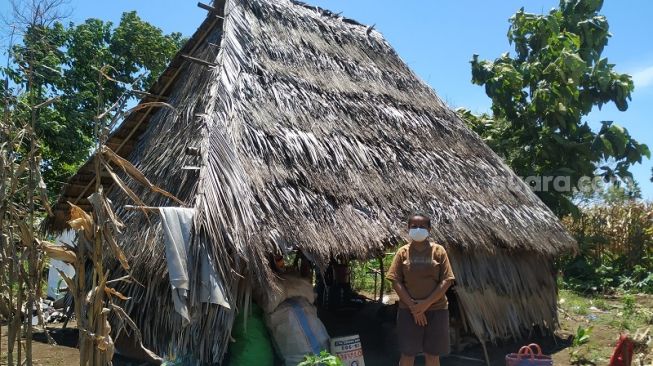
(347, 310)
(369, 313)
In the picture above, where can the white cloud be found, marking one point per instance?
(643, 77)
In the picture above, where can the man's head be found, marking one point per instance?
(419, 220)
(419, 226)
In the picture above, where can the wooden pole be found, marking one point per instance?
(213, 11)
(140, 208)
(199, 61)
(487, 357)
(206, 7)
(382, 270)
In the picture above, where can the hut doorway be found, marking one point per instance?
(352, 297)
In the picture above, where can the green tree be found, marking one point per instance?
(542, 94)
(68, 59)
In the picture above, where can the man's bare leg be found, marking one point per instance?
(432, 360)
(406, 360)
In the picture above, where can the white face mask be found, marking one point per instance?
(418, 234)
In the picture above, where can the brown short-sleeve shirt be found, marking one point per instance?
(421, 272)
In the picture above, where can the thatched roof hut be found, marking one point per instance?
(307, 129)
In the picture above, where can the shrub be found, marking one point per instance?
(582, 336)
(616, 248)
(323, 359)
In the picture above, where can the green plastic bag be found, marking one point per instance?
(252, 345)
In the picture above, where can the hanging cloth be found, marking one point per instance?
(177, 223)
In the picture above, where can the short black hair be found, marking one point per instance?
(419, 214)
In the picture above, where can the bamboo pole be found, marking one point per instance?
(5, 240)
(199, 61)
(382, 270)
(31, 250)
(95, 317)
(141, 208)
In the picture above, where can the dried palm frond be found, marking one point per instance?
(136, 174)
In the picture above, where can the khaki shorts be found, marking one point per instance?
(432, 339)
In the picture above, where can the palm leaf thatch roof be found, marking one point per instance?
(311, 132)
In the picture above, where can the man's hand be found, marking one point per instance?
(420, 319)
(419, 307)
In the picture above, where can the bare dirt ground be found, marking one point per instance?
(43, 353)
(607, 317)
(63, 353)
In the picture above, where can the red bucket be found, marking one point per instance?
(530, 355)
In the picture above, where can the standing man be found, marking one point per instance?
(421, 274)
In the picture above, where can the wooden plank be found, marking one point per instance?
(73, 186)
(207, 7)
(88, 176)
(213, 11)
(75, 190)
(105, 181)
(83, 206)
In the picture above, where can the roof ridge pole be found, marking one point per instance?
(212, 10)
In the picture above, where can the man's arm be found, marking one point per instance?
(420, 318)
(402, 293)
(439, 291)
(396, 275)
(423, 305)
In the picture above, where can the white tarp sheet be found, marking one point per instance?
(55, 282)
(177, 223)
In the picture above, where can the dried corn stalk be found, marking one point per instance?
(23, 199)
(97, 232)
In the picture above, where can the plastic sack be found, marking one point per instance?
(289, 286)
(252, 343)
(297, 331)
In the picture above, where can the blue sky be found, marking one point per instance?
(437, 40)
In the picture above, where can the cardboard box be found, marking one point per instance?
(349, 349)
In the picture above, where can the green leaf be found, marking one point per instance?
(606, 145)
